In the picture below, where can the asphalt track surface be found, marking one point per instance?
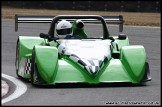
(84, 95)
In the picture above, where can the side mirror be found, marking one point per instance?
(122, 36)
(47, 36)
(42, 35)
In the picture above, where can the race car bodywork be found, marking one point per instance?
(47, 60)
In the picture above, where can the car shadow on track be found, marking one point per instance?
(84, 85)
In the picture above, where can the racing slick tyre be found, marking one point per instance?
(35, 76)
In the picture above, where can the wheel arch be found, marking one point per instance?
(46, 59)
(133, 58)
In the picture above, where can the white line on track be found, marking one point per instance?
(20, 89)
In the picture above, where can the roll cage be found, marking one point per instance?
(57, 18)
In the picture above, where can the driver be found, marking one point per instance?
(64, 30)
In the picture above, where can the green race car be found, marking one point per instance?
(49, 60)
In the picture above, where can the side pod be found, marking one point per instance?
(133, 59)
(27, 44)
(46, 59)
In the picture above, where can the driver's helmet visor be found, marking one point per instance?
(64, 31)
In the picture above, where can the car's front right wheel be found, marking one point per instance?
(36, 79)
(147, 76)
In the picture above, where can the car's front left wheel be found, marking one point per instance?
(17, 59)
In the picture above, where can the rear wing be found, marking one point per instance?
(48, 19)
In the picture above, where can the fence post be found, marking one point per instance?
(89, 5)
(138, 6)
(105, 9)
(122, 6)
(157, 6)
(73, 4)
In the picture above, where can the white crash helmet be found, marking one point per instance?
(63, 28)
